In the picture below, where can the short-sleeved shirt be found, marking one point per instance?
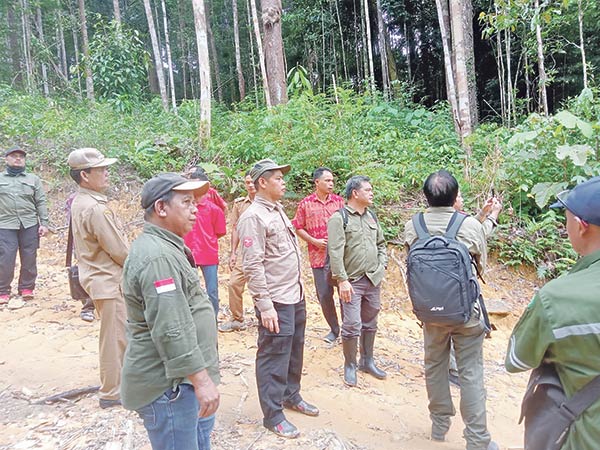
(22, 201)
(359, 249)
(312, 216)
(213, 196)
(270, 255)
(561, 326)
(171, 326)
(203, 239)
(99, 243)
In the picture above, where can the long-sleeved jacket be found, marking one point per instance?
(22, 201)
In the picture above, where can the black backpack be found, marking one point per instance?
(327, 266)
(441, 282)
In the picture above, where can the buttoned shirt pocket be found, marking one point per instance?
(278, 238)
(27, 189)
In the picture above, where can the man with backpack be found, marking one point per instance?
(358, 258)
(445, 297)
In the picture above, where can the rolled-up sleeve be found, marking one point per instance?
(336, 243)
(169, 319)
(252, 236)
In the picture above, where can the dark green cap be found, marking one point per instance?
(156, 188)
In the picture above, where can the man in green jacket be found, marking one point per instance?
(358, 259)
(23, 220)
(171, 366)
(561, 325)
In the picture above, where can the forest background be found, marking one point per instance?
(500, 92)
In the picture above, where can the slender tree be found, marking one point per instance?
(117, 11)
(581, 42)
(541, 65)
(238, 58)
(385, 72)
(39, 24)
(27, 56)
(158, 65)
(261, 58)
(214, 56)
(369, 46)
(13, 45)
(274, 57)
(204, 71)
(85, 46)
(169, 58)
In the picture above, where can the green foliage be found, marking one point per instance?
(541, 243)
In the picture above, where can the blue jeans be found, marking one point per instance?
(172, 421)
(212, 285)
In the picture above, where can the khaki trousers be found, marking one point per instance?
(237, 281)
(112, 315)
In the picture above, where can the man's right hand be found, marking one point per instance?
(270, 320)
(232, 259)
(320, 243)
(206, 392)
(345, 291)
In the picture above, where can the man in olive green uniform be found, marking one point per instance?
(237, 280)
(23, 220)
(101, 251)
(171, 366)
(441, 190)
(358, 259)
(561, 325)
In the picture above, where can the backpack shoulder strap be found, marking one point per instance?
(344, 213)
(583, 398)
(418, 221)
(454, 225)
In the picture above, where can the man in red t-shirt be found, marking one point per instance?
(203, 241)
(311, 225)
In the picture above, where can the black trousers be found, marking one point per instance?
(279, 360)
(325, 296)
(26, 241)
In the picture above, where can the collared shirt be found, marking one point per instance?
(471, 233)
(270, 255)
(99, 243)
(171, 326)
(203, 239)
(312, 216)
(22, 201)
(561, 326)
(357, 251)
(213, 196)
(240, 205)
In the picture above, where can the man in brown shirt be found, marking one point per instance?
(237, 280)
(101, 251)
(271, 264)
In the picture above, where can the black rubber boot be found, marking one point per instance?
(367, 363)
(349, 346)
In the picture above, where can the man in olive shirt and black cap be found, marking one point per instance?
(23, 220)
(171, 365)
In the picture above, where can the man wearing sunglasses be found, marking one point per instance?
(561, 325)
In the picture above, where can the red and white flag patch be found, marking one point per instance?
(248, 242)
(166, 285)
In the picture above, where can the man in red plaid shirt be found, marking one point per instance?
(311, 225)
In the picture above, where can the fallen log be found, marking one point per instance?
(67, 395)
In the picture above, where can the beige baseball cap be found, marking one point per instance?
(87, 158)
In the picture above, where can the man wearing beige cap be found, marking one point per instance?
(171, 366)
(271, 264)
(101, 250)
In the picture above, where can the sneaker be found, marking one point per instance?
(27, 294)
(4, 299)
(330, 338)
(493, 446)
(87, 316)
(232, 325)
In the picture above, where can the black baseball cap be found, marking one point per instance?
(155, 188)
(583, 201)
(14, 149)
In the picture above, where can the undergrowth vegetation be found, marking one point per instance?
(395, 143)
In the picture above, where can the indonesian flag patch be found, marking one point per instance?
(166, 285)
(248, 242)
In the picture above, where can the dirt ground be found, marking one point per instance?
(48, 349)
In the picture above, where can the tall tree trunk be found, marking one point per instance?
(540, 55)
(252, 60)
(117, 11)
(444, 21)
(466, 18)
(581, 42)
(509, 85)
(408, 51)
(26, 26)
(392, 67)
(214, 57)
(527, 81)
(182, 42)
(501, 78)
(357, 47)
(39, 24)
(169, 59)
(160, 75)
(76, 49)
(89, 79)
(385, 72)
(461, 74)
(200, 24)
(261, 58)
(61, 47)
(274, 58)
(13, 46)
(339, 21)
(238, 58)
(369, 46)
